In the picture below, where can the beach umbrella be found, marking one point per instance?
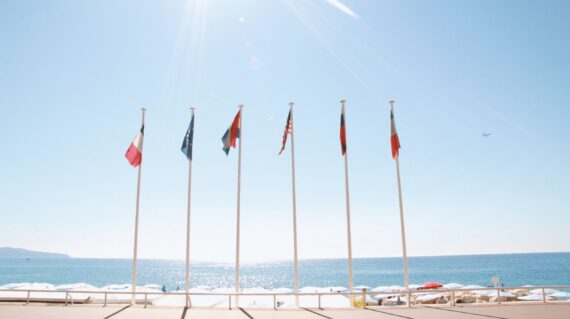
(336, 289)
(36, 286)
(431, 285)
(414, 286)
(479, 292)
(153, 286)
(385, 296)
(472, 287)
(282, 290)
(501, 294)
(116, 287)
(361, 287)
(428, 297)
(485, 292)
(534, 298)
(309, 289)
(452, 285)
(79, 286)
(384, 288)
(203, 287)
(547, 291)
(15, 285)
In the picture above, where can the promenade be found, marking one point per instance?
(508, 311)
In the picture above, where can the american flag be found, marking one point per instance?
(288, 130)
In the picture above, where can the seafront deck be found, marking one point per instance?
(505, 311)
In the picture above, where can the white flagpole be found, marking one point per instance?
(295, 259)
(402, 228)
(134, 287)
(238, 201)
(188, 303)
(348, 228)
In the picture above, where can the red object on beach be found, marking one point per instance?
(431, 285)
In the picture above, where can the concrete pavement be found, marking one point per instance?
(505, 311)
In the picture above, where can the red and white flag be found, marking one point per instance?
(134, 153)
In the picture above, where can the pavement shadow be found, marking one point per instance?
(389, 313)
(117, 312)
(246, 313)
(184, 313)
(316, 313)
(466, 312)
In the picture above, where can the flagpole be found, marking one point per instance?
(348, 228)
(238, 202)
(402, 228)
(295, 259)
(134, 286)
(188, 302)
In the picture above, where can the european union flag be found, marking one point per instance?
(188, 140)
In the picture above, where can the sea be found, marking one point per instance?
(512, 269)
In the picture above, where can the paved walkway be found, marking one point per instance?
(58, 311)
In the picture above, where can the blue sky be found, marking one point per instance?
(75, 73)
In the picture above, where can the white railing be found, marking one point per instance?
(408, 293)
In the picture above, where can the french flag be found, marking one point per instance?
(134, 153)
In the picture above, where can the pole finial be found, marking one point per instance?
(291, 104)
(342, 101)
(240, 106)
(392, 103)
(193, 109)
(143, 109)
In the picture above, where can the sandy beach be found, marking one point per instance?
(282, 298)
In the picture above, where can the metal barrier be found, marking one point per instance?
(363, 294)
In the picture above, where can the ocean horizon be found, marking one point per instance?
(513, 269)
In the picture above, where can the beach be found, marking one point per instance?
(463, 279)
(429, 294)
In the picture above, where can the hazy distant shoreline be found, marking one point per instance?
(19, 253)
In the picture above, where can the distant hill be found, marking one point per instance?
(17, 253)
